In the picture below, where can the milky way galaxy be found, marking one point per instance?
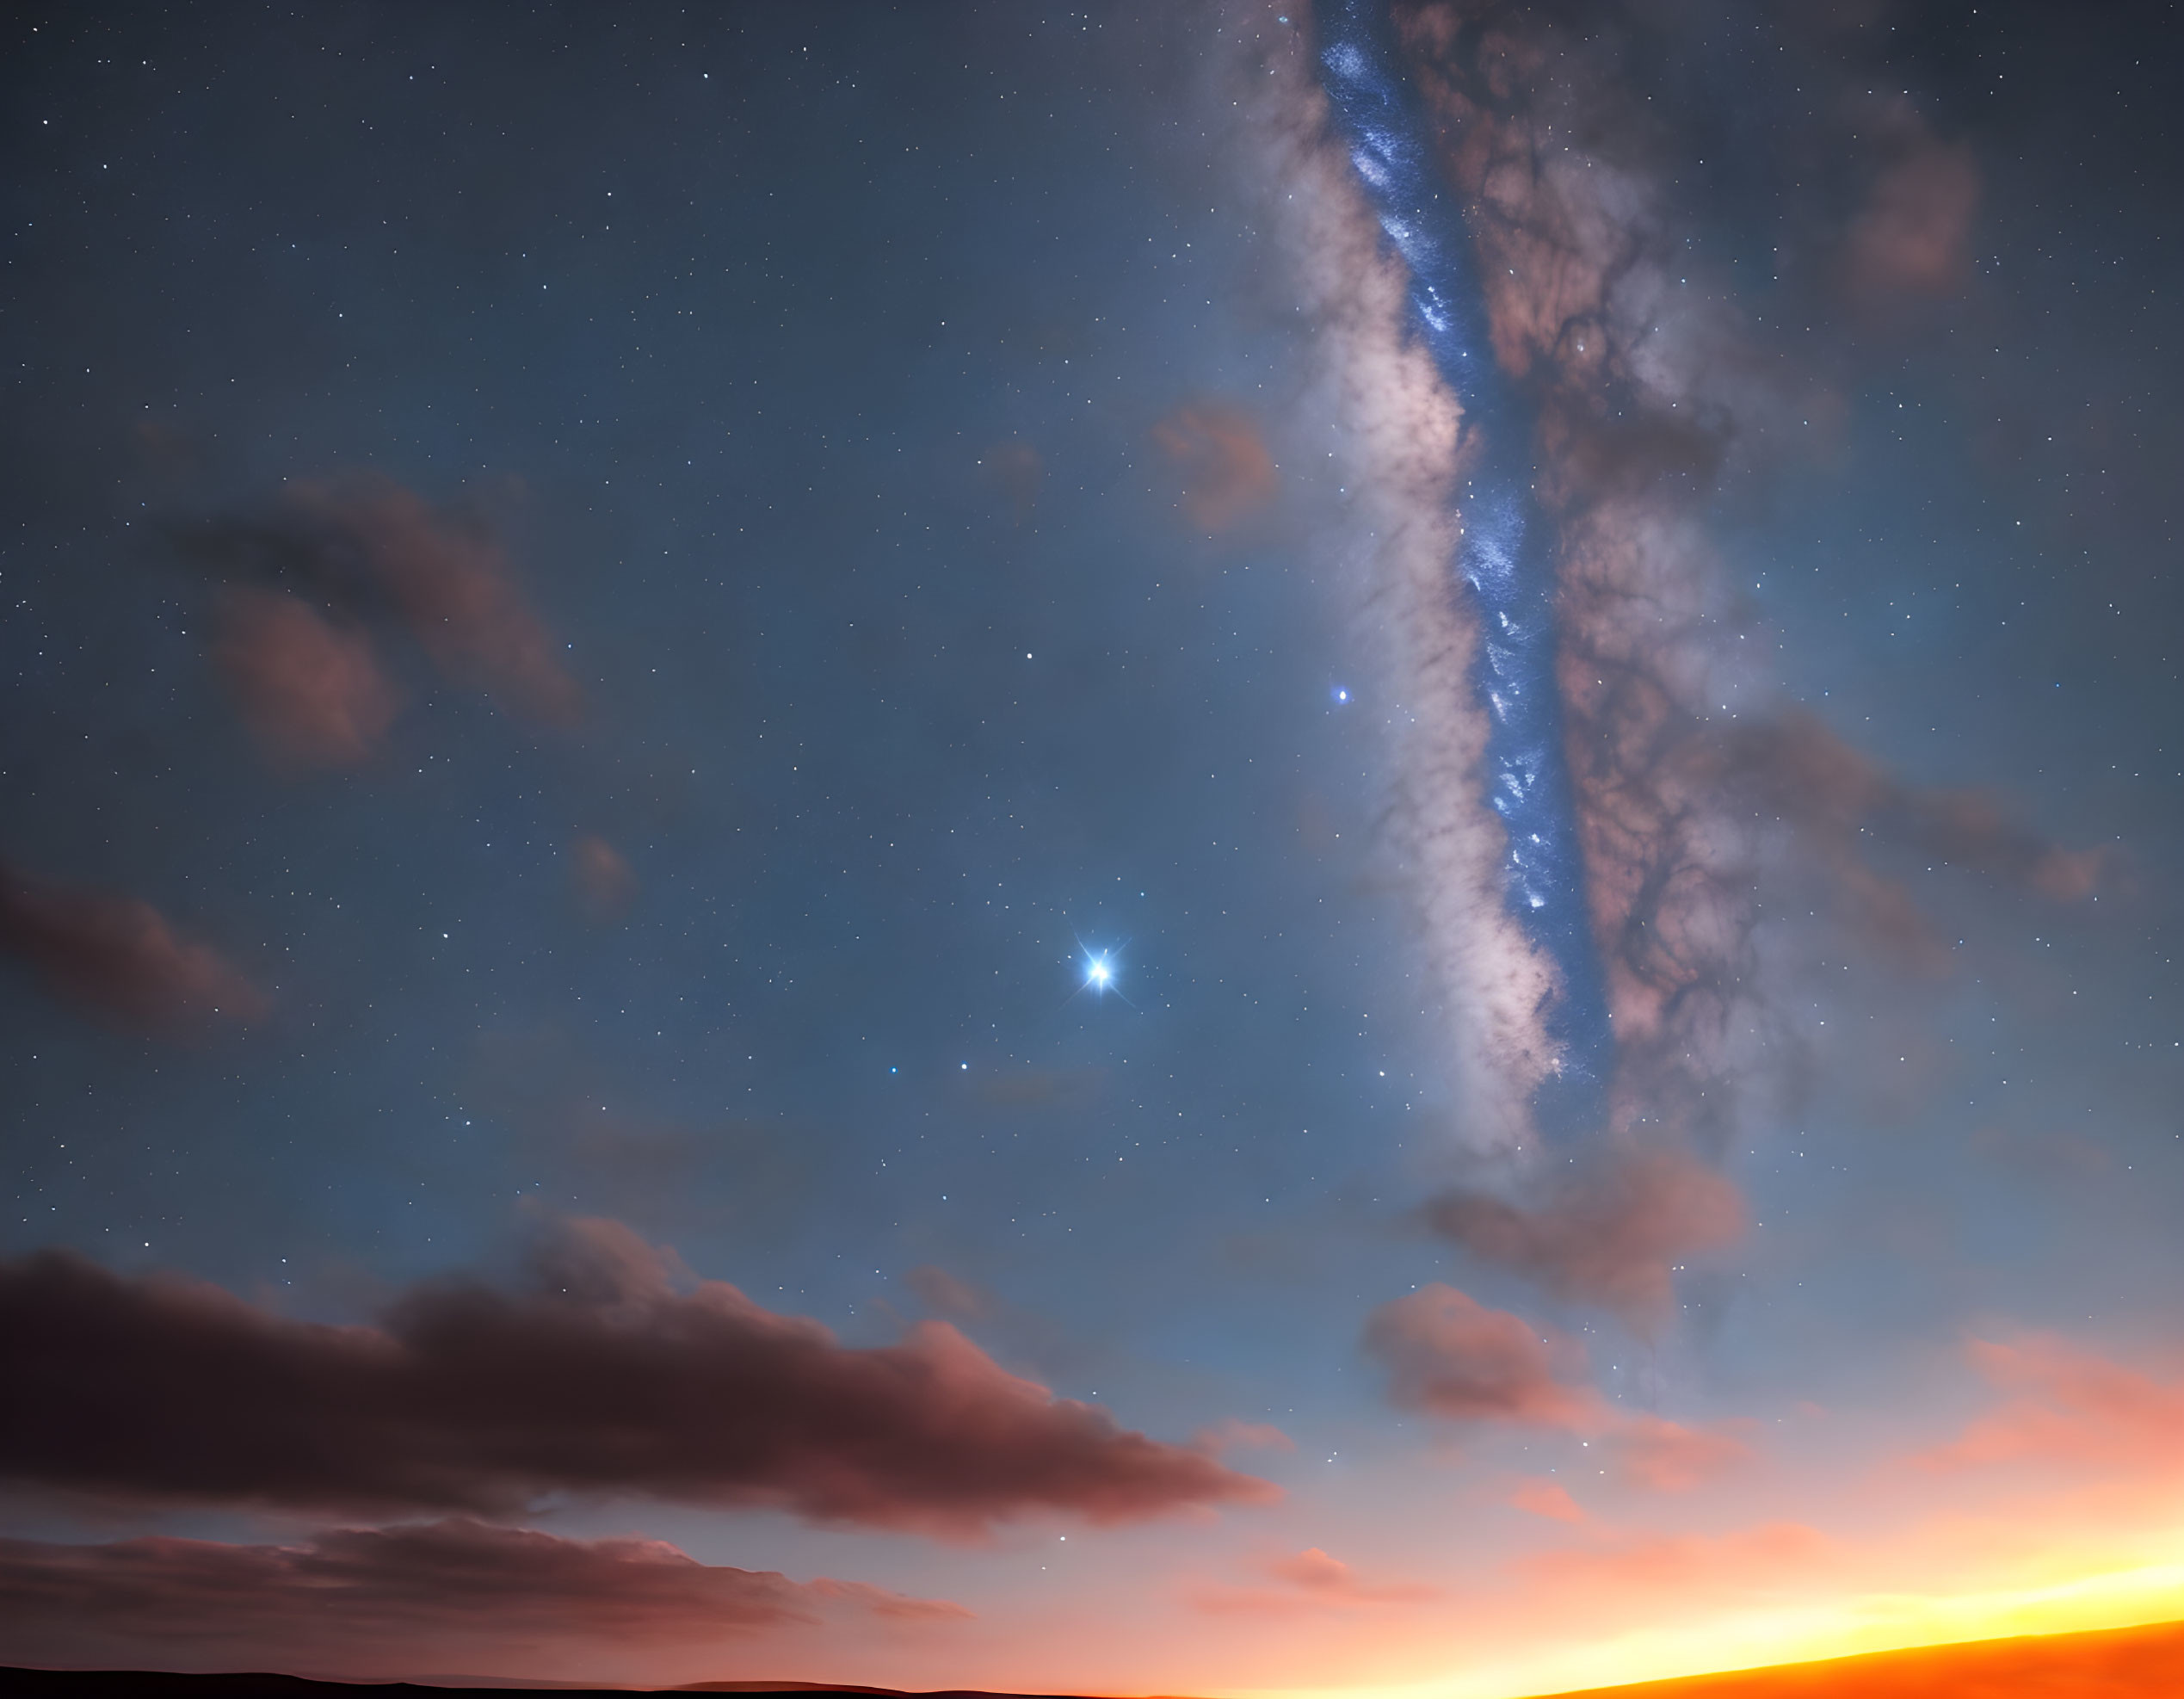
(1505, 555)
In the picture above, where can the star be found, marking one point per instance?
(1100, 973)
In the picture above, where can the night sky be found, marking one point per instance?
(759, 910)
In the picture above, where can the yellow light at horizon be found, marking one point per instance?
(2120, 1598)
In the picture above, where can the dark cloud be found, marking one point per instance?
(1609, 1232)
(118, 958)
(1697, 828)
(1449, 1356)
(1227, 472)
(402, 1597)
(313, 694)
(368, 546)
(452, 584)
(1833, 806)
(1812, 781)
(606, 1377)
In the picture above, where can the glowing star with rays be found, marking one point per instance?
(1100, 974)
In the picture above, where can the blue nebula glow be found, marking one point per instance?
(1505, 559)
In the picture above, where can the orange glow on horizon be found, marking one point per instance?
(1689, 1659)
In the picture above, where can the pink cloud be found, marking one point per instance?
(945, 1295)
(1609, 1235)
(1312, 1570)
(118, 957)
(313, 695)
(1230, 1433)
(1450, 1355)
(1228, 474)
(1914, 234)
(1310, 1579)
(1669, 1457)
(1546, 1499)
(453, 584)
(2072, 1407)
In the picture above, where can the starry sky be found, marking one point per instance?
(605, 613)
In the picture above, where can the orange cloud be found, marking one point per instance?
(2071, 1407)
(1686, 1567)
(1228, 474)
(313, 695)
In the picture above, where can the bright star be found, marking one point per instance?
(1102, 974)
